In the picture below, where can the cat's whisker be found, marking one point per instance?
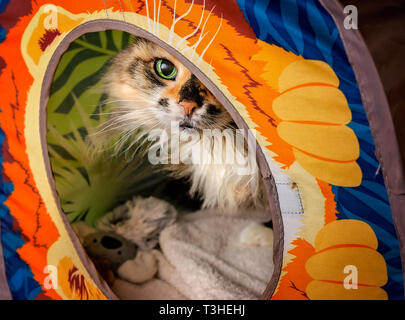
(147, 15)
(195, 45)
(131, 145)
(195, 30)
(169, 39)
(113, 101)
(124, 138)
(171, 34)
(201, 37)
(111, 127)
(154, 17)
(140, 145)
(122, 141)
(146, 135)
(121, 118)
(158, 19)
(209, 44)
(128, 134)
(135, 152)
(108, 113)
(122, 11)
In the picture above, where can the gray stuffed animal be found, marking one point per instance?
(110, 246)
(126, 237)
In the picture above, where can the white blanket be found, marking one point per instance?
(201, 257)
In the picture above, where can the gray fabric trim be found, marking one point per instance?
(379, 116)
(50, 71)
(278, 228)
(5, 293)
(108, 24)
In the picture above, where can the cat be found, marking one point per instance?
(150, 89)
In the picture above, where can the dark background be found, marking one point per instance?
(382, 24)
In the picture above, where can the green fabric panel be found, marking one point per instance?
(75, 109)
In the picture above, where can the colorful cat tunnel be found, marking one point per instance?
(287, 69)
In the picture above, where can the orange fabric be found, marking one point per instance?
(330, 204)
(24, 203)
(295, 290)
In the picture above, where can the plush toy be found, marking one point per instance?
(122, 242)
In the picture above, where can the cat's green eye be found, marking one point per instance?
(165, 69)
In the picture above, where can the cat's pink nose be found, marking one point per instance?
(188, 106)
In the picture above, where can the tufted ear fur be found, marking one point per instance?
(140, 220)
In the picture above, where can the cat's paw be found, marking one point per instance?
(256, 235)
(140, 269)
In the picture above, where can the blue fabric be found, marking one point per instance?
(19, 275)
(2, 34)
(305, 28)
(3, 6)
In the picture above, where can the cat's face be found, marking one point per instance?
(152, 89)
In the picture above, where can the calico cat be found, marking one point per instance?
(150, 89)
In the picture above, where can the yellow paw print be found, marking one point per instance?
(346, 265)
(314, 114)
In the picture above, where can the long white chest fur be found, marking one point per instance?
(221, 169)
